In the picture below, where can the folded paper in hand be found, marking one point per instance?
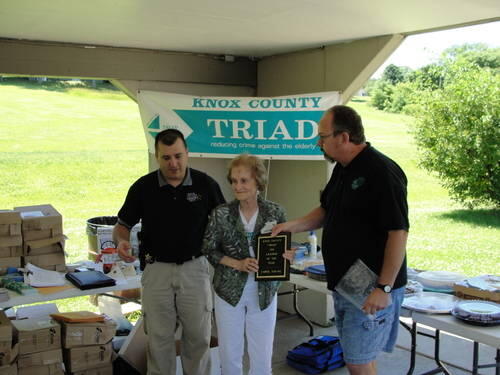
(357, 283)
(39, 278)
(90, 279)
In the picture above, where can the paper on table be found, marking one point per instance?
(87, 264)
(38, 277)
(54, 289)
(117, 274)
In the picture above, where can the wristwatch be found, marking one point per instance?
(385, 288)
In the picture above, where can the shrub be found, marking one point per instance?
(458, 133)
(381, 95)
(403, 95)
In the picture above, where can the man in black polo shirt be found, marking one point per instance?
(173, 203)
(364, 215)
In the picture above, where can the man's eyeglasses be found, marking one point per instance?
(323, 137)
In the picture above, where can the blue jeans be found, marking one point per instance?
(363, 337)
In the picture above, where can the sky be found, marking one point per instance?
(423, 49)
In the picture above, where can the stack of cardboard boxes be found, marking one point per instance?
(7, 353)
(44, 346)
(39, 345)
(87, 347)
(43, 238)
(11, 241)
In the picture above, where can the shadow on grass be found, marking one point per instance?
(481, 217)
(57, 85)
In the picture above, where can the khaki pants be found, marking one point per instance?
(172, 291)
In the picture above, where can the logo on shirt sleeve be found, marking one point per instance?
(193, 197)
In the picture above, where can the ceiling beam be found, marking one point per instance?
(79, 61)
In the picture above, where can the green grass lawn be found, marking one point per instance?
(75, 148)
(80, 149)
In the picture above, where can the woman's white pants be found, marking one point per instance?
(234, 323)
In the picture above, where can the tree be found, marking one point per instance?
(429, 77)
(381, 95)
(457, 132)
(477, 53)
(395, 74)
(403, 97)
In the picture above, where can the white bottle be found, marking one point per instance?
(313, 242)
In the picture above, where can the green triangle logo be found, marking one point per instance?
(154, 124)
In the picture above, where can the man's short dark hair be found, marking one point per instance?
(168, 137)
(346, 119)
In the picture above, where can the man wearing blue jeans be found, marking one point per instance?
(364, 215)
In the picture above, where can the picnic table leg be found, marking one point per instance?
(297, 311)
(413, 355)
(441, 367)
(475, 359)
(413, 349)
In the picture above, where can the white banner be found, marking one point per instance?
(283, 127)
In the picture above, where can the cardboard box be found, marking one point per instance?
(11, 252)
(7, 241)
(11, 246)
(52, 262)
(40, 217)
(87, 357)
(54, 369)
(42, 234)
(44, 246)
(37, 334)
(5, 333)
(462, 290)
(133, 350)
(9, 369)
(8, 353)
(10, 223)
(9, 356)
(80, 334)
(106, 370)
(48, 357)
(10, 262)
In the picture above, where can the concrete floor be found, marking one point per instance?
(455, 352)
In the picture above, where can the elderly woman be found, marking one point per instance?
(243, 306)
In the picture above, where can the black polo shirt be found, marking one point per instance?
(362, 202)
(173, 218)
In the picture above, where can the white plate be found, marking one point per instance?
(439, 279)
(480, 307)
(478, 312)
(430, 302)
